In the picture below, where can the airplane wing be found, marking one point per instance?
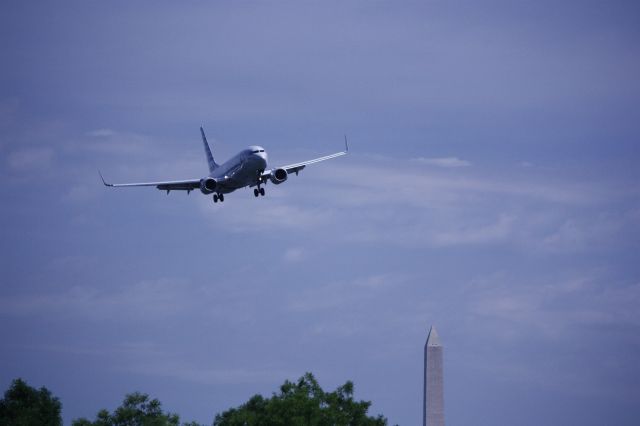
(296, 167)
(173, 185)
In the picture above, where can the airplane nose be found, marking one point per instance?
(261, 160)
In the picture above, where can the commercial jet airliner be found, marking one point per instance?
(247, 168)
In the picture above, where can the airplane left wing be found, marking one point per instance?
(295, 168)
(173, 185)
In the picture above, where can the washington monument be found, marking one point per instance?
(433, 397)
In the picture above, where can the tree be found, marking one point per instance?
(302, 403)
(23, 405)
(136, 410)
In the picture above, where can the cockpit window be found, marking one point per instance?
(257, 151)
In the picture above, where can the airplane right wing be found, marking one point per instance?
(295, 168)
(173, 185)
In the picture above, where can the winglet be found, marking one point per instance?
(103, 181)
(346, 145)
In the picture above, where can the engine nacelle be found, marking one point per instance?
(208, 185)
(278, 176)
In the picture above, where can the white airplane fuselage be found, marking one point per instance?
(243, 169)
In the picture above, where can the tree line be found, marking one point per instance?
(297, 403)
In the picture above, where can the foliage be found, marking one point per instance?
(23, 405)
(136, 410)
(302, 403)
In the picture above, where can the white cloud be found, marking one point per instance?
(575, 234)
(344, 293)
(114, 142)
(499, 231)
(144, 299)
(555, 306)
(81, 193)
(293, 254)
(380, 281)
(30, 159)
(384, 180)
(153, 361)
(443, 161)
(368, 200)
(241, 212)
(101, 133)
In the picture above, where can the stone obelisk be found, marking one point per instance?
(433, 398)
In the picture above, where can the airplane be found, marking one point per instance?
(247, 168)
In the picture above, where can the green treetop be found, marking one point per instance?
(23, 405)
(302, 403)
(136, 410)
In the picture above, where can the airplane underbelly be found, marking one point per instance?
(244, 177)
(241, 175)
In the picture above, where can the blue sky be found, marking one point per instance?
(492, 190)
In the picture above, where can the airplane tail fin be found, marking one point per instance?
(212, 163)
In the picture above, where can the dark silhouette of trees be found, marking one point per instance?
(23, 405)
(302, 403)
(136, 410)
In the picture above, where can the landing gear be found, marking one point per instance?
(217, 197)
(259, 190)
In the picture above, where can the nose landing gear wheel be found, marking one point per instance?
(261, 192)
(255, 192)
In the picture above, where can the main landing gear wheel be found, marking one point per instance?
(217, 197)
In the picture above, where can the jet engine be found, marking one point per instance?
(278, 176)
(208, 185)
